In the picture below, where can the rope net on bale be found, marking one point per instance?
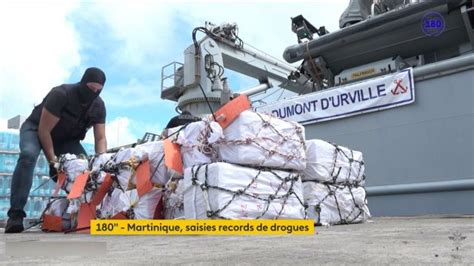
(332, 163)
(330, 204)
(334, 184)
(174, 199)
(109, 185)
(259, 140)
(227, 191)
(197, 141)
(56, 217)
(129, 204)
(72, 166)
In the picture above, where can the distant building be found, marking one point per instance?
(16, 122)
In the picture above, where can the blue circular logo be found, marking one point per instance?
(432, 24)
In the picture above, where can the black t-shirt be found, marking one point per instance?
(74, 118)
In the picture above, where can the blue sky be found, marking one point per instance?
(47, 43)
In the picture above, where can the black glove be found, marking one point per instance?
(53, 172)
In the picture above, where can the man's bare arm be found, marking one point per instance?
(47, 122)
(100, 139)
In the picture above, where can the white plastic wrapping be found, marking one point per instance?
(171, 133)
(158, 170)
(98, 165)
(98, 177)
(144, 207)
(174, 200)
(152, 151)
(101, 160)
(112, 204)
(350, 207)
(327, 162)
(260, 140)
(129, 202)
(195, 141)
(259, 186)
(129, 158)
(59, 207)
(75, 204)
(72, 167)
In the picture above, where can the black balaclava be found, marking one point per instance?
(92, 74)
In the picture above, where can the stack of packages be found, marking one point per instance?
(334, 184)
(251, 166)
(59, 214)
(126, 185)
(248, 169)
(140, 178)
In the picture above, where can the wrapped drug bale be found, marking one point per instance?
(100, 161)
(196, 141)
(126, 162)
(336, 204)
(128, 202)
(328, 162)
(174, 200)
(56, 206)
(81, 189)
(145, 206)
(55, 217)
(260, 140)
(113, 203)
(172, 133)
(73, 166)
(160, 174)
(96, 176)
(75, 204)
(227, 191)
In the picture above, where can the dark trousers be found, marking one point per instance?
(22, 178)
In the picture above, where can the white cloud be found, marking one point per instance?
(141, 128)
(39, 48)
(143, 29)
(123, 130)
(118, 133)
(152, 34)
(151, 29)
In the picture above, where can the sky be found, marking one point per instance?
(51, 42)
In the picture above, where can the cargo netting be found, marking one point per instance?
(251, 194)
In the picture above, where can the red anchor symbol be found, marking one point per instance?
(396, 91)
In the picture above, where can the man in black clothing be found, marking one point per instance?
(180, 120)
(56, 126)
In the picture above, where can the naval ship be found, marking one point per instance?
(418, 150)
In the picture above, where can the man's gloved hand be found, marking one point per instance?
(53, 172)
(53, 169)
